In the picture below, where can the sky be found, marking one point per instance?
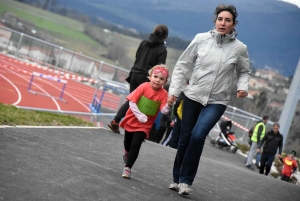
(295, 2)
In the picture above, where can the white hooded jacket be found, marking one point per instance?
(212, 58)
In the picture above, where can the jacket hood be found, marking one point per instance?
(221, 38)
(153, 40)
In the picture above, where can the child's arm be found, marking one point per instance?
(140, 116)
(166, 109)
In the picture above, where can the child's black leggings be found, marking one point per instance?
(132, 144)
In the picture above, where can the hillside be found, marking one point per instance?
(268, 27)
(69, 33)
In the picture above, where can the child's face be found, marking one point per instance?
(291, 156)
(157, 80)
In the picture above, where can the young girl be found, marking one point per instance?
(289, 166)
(144, 103)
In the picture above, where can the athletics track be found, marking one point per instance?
(15, 76)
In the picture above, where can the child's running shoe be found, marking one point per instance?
(184, 189)
(114, 126)
(125, 156)
(126, 173)
(174, 186)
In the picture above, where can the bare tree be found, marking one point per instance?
(118, 53)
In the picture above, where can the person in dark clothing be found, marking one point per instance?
(150, 52)
(177, 120)
(272, 141)
(166, 124)
(250, 133)
(154, 128)
(225, 127)
(177, 124)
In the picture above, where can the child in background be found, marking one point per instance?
(289, 166)
(144, 103)
(165, 124)
(177, 123)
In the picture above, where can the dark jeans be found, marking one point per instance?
(198, 120)
(132, 143)
(135, 81)
(176, 134)
(266, 160)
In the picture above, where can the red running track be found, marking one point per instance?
(15, 76)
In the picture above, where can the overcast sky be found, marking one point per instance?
(295, 2)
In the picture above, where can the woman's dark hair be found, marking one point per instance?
(161, 31)
(230, 8)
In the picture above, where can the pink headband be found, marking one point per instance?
(161, 70)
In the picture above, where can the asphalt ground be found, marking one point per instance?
(86, 164)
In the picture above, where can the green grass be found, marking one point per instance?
(243, 147)
(68, 22)
(49, 25)
(12, 116)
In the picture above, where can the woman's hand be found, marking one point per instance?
(241, 93)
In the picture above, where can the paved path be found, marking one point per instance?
(86, 164)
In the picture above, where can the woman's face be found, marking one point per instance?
(224, 22)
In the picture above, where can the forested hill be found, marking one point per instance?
(268, 27)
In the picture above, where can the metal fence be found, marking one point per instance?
(59, 58)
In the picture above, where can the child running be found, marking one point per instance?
(289, 166)
(144, 104)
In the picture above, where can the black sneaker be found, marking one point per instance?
(114, 126)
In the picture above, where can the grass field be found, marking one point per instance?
(48, 22)
(68, 22)
(12, 116)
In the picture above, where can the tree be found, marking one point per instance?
(118, 53)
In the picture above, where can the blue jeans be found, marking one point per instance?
(197, 121)
(258, 155)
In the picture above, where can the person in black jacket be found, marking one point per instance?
(166, 124)
(272, 141)
(177, 121)
(150, 52)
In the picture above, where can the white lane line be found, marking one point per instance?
(81, 103)
(57, 105)
(16, 88)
